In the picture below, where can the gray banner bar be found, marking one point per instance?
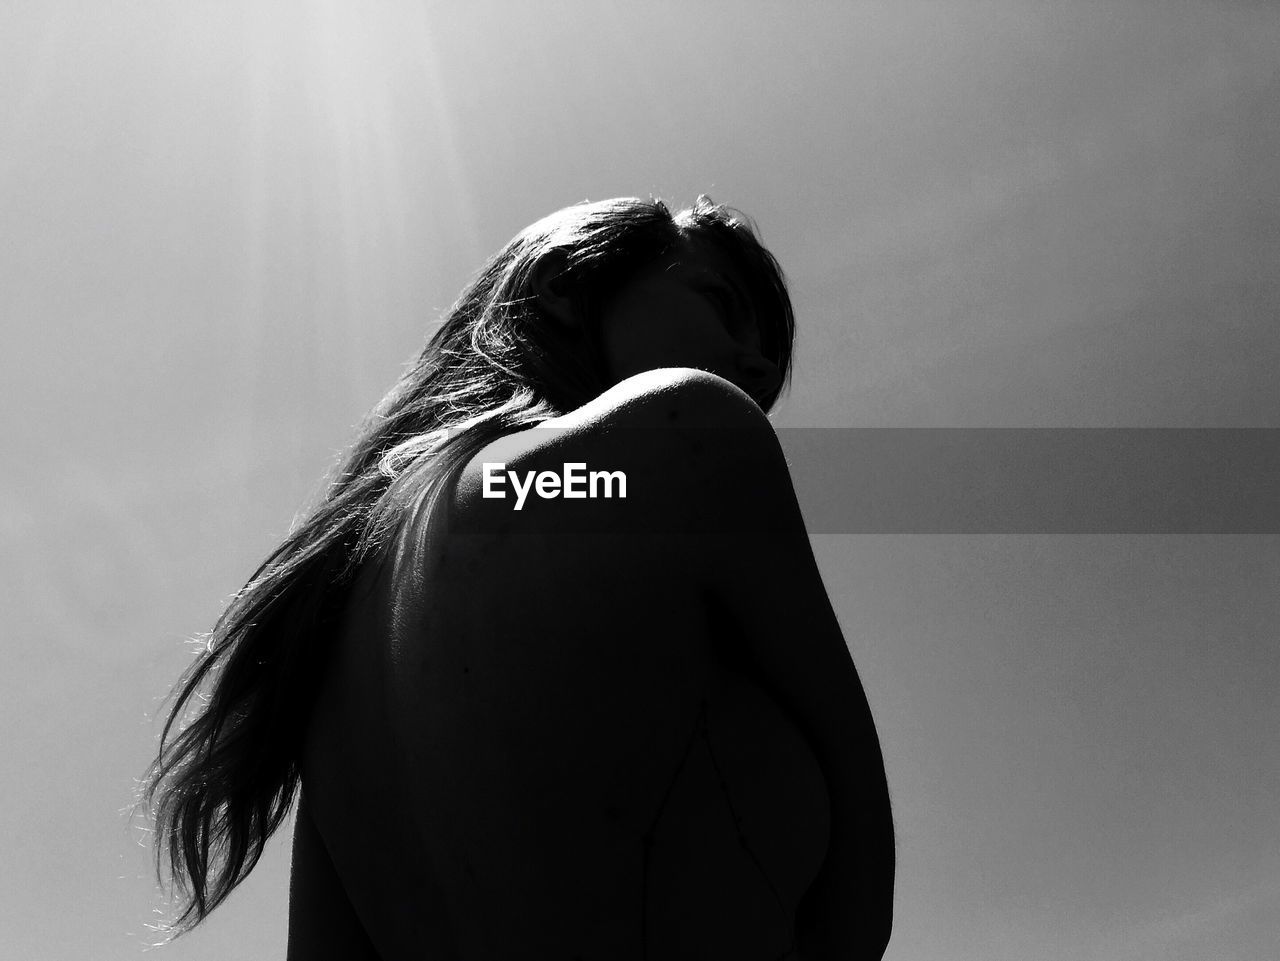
(1036, 480)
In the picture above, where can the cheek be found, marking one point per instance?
(664, 332)
(642, 339)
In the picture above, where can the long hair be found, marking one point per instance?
(221, 786)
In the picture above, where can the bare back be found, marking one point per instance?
(537, 746)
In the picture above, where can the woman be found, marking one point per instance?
(598, 727)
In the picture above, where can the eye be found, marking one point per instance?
(725, 305)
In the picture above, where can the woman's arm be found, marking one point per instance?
(756, 563)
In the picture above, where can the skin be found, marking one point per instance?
(688, 309)
(538, 747)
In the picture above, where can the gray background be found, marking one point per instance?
(226, 225)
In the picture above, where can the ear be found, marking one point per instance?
(550, 288)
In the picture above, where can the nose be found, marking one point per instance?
(761, 376)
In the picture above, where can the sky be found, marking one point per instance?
(227, 226)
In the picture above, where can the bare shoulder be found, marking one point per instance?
(675, 433)
(668, 396)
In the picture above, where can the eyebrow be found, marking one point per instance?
(702, 273)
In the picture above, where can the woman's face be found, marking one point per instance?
(688, 309)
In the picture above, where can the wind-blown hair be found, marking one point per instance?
(222, 785)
